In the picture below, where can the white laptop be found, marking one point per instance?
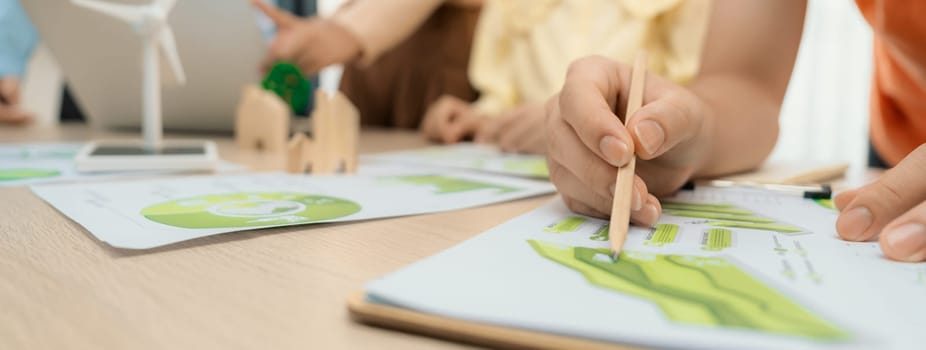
(220, 46)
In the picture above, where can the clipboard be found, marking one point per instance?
(391, 317)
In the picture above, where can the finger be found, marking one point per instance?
(585, 200)
(876, 204)
(565, 148)
(664, 123)
(649, 214)
(587, 103)
(434, 118)
(582, 208)
(843, 199)
(464, 124)
(904, 239)
(280, 18)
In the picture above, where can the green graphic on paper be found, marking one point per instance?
(662, 235)
(24, 174)
(446, 184)
(533, 167)
(603, 234)
(729, 216)
(826, 203)
(569, 224)
(697, 291)
(248, 210)
(717, 239)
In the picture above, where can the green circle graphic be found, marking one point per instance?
(22, 174)
(249, 209)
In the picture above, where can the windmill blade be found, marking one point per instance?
(166, 5)
(130, 13)
(168, 46)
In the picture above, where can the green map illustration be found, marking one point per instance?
(730, 216)
(693, 290)
(248, 210)
(445, 184)
(23, 174)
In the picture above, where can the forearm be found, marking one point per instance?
(380, 25)
(740, 123)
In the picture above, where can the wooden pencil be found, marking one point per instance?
(623, 185)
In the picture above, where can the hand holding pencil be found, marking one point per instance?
(588, 143)
(623, 185)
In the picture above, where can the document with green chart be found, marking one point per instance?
(470, 156)
(723, 269)
(151, 213)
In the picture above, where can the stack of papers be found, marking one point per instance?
(724, 268)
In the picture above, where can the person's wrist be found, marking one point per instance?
(352, 49)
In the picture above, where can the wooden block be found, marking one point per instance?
(298, 154)
(348, 131)
(335, 135)
(261, 120)
(322, 157)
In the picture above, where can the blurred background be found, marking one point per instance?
(824, 117)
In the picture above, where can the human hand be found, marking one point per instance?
(10, 113)
(450, 120)
(587, 142)
(894, 206)
(520, 130)
(311, 44)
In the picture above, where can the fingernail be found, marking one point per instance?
(651, 135)
(653, 212)
(637, 201)
(615, 151)
(853, 223)
(907, 239)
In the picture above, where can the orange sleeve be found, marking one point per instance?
(898, 92)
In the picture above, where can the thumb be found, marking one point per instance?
(879, 203)
(664, 123)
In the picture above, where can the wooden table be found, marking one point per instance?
(281, 288)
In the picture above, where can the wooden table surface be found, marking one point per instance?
(281, 288)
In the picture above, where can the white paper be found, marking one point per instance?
(803, 288)
(147, 214)
(470, 156)
(34, 163)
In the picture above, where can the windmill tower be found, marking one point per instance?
(149, 22)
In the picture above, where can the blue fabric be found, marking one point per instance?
(17, 38)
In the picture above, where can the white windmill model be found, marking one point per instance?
(150, 23)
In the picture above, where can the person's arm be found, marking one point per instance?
(724, 121)
(17, 38)
(380, 25)
(362, 30)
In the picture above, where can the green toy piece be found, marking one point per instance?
(287, 81)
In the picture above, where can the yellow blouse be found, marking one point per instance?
(523, 48)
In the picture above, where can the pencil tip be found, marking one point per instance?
(615, 256)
